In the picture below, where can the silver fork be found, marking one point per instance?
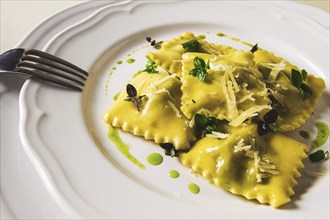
(43, 66)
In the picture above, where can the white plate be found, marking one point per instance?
(65, 137)
(23, 194)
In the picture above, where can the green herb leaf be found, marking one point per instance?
(191, 46)
(305, 91)
(296, 78)
(204, 125)
(304, 74)
(200, 68)
(254, 48)
(318, 155)
(151, 66)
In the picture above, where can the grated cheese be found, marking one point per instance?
(217, 135)
(247, 114)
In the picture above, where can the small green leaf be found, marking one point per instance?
(200, 70)
(151, 66)
(296, 78)
(305, 91)
(304, 74)
(204, 125)
(318, 155)
(191, 46)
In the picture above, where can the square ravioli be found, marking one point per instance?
(247, 164)
(159, 118)
(232, 89)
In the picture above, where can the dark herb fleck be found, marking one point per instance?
(271, 116)
(132, 96)
(169, 149)
(204, 125)
(191, 46)
(263, 128)
(318, 156)
(304, 134)
(200, 70)
(297, 79)
(156, 44)
(254, 48)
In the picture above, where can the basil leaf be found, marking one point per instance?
(318, 156)
(131, 91)
(296, 78)
(200, 68)
(191, 46)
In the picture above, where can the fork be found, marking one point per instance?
(43, 66)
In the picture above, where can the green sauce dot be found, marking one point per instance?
(115, 97)
(201, 36)
(194, 188)
(119, 62)
(221, 34)
(114, 68)
(323, 133)
(174, 174)
(155, 159)
(130, 60)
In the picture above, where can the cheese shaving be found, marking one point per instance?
(247, 114)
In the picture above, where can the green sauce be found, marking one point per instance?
(119, 62)
(235, 39)
(174, 174)
(137, 73)
(122, 147)
(194, 188)
(322, 135)
(221, 35)
(304, 134)
(114, 68)
(130, 60)
(115, 97)
(247, 44)
(155, 159)
(201, 36)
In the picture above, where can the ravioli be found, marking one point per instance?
(231, 88)
(160, 118)
(293, 109)
(169, 57)
(249, 165)
(234, 95)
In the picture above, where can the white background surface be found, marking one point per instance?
(17, 19)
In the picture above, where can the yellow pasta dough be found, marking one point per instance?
(160, 118)
(237, 165)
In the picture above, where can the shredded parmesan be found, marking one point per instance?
(217, 135)
(263, 166)
(230, 98)
(275, 69)
(247, 114)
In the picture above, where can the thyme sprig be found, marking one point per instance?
(132, 96)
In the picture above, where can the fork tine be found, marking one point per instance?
(51, 78)
(54, 58)
(47, 71)
(54, 64)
